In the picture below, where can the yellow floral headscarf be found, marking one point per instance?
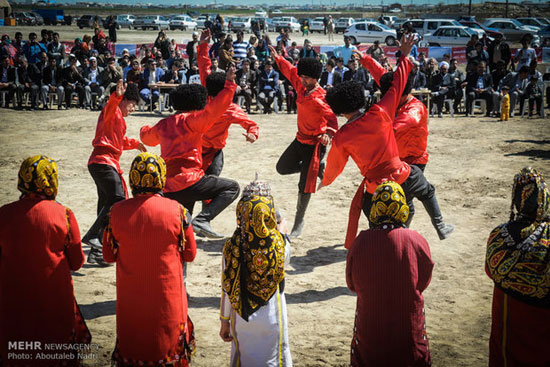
(254, 256)
(147, 173)
(38, 175)
(389, 205)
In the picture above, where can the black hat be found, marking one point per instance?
(310, 67)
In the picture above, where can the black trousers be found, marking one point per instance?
(69, 89)
(213, 188)
(488, 96)
(296, 158)
(33, 90)
(109, 190)
(416, 186)
(216, 166)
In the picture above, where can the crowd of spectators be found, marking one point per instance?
(42, 70)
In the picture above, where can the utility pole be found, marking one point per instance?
(470, 8)
(506, 10)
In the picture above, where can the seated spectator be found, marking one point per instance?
(479, 85)
(73, 82)
(330, 77)
(240, 47)
(516, 82)
(293, 51)
(176, 75)
(52, 82)
(533, 93)
(340, 68)
(93, 88)
(430, 72)
(28, 81)
(478, 54)
(43, 63)
(109, 78)
(376, 52)
(533, 70)
(262, 50)
(134, 74)
(193, 76)
(443, 87)
(247, 81)
(7, 79)
(419, 78)
(356, 73)
(459, 82)
(269, 86)
(79, 51)
(307, 50)
(151, 75)
(422, 61)
(215, 67)
(345, 51)
(8, 49)
(498, 73)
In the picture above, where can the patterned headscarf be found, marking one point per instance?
(518, 252)
(389, 205)
(254, 256)
(147, 174)
(38, 175)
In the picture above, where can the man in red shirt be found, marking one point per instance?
(316, 126)
(214, 140)
(369, 139)
(180, 137)
(109, 143)
(410, 128)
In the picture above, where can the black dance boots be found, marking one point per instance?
(301, 206)
(432, 207)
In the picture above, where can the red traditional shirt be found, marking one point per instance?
(147, 239)
(411, 123)
(110, 140)
(180, 138)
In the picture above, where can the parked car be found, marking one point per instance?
(289, 23)
(423, 26)
(513, 30)
(243, 24)
(39, 20)
(544, 35)
(183, 22)
(342, 24)
(449, 36)
(24, 18)
(317, 24)
(125, 21)
(473, 24)
(370, 32)
(399, 22)
(387, 19)
(157, 22)
(87, 21)
(533, 22)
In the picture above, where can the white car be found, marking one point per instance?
(449, 36)
(287, 23)
(317, 24)
(125, 21)
(369, 32)
(342, 24)
(200, 21)
(183, 22)
(243, 24)
(157, 22)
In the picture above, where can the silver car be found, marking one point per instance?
(513, 30)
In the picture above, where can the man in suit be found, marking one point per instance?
(516, 82)
(56, 49)
(459, 81)
(73, 82)
(7, 79)
(356, 73)
(247, 82)
(151, 75)
(27, 81)
(269, 86)
(330, 77)
(479, 84)
(52, 82)
(93, 88)
(443, 87)
(419, 78)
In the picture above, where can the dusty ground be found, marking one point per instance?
(472, 164)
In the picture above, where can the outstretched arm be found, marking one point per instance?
(289, 71)
(203, 61)
(373, 66)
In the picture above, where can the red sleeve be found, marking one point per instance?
(336, 161)
(110, 246)
(290, 72)
(203, 120)
(109, 111)
(203, 62)
(73, 249)
(332, 120)
(374, 68)
(130, 143)
(149, 135)
(349, 270)
(390, 101)
(238, 116)
(189, 252)
(424, 261)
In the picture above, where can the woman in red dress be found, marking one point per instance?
(518, 262)
(150, 238)
(39, 246)
(389, 266)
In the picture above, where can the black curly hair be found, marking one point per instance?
(215, 83)
(188, 97)
(346, 97)
(132, 93)
(310, 67)
(387, 79)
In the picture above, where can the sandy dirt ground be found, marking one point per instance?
(472, 163)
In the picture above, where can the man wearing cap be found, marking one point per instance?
(93, 88)
(151, 75)
(316, 126)
(345, 51)
(443, 86)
